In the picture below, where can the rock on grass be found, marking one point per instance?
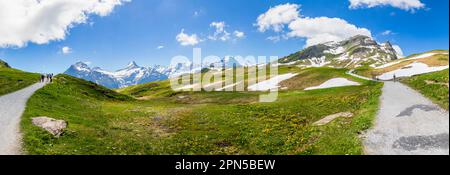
(55, 127)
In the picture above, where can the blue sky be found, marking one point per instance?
(134, 30)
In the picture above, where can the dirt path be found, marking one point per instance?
(407, 124)
(11, 108)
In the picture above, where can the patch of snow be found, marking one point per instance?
(287, 64)
(189, 86)
(388, 64)
(128, 72)
(271, 83)
(105, 72)
(352, 61)
(336, 51)
(83, 67)
(343, 57)
(335, 82)
(229, 86)
(385, 47)
(371, 47)
(410, 70)
(377, 56)
(331, 43)
(318, 62)
(262, 66)
(139, 75)
(425, 55)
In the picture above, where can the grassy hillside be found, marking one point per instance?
(433, 61)
(75, 100)
(163, 88)
(433, 85)
(160, 88)
(305, 78)
(12, 80)
(105, 122)
(3, 64)
(316, 76)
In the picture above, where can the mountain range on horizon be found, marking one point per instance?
(353, 52)
(134, 74)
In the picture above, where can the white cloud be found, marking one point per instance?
(220, 33)
(408, 5)
(277, 17)
(66, 50)
(239, 34)
(220, 26)
(274, 38)
(160, 47)
(315, 30)
(387, 32)
(398, 50)
(198, 13)
(187, 40)
(324, 29)
(277, 38)
(23, 21)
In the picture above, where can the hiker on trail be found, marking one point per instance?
(51, 78)
(48, 77)
(42, 78)
(395, 78)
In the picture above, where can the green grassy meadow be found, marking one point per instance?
(102, 121)
(432, 85)
(12, 79)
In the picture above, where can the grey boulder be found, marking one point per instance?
(55, 127)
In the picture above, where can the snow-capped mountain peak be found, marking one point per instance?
(132, 74)
(354, 52)
(132, 65)
(81, 66)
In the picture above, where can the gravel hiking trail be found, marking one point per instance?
(407, 123)
(11, 108)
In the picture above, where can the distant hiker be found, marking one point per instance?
(42, 78)
(51, 78)
(395, 78)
